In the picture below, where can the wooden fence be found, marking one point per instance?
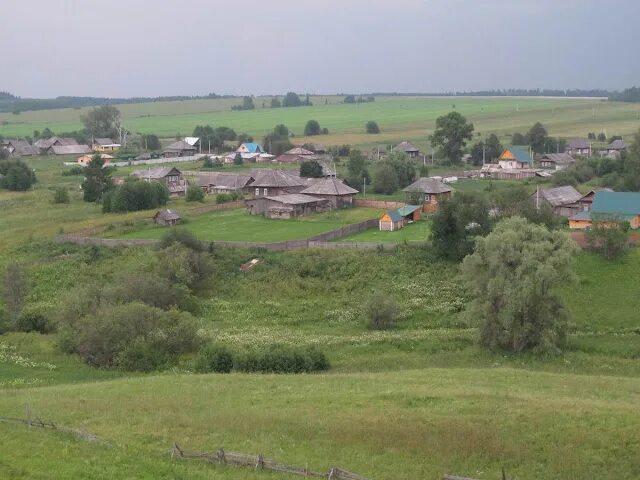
(383, 204)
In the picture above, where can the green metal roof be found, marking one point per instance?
(521, 153)
(395, 215)
(581, 216)
(623, 204)
(408, 210)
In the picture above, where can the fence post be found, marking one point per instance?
(221, 458)
(260, 462)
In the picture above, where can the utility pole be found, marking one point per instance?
(484, 153)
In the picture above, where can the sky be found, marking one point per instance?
(125, 48)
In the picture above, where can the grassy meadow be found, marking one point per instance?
(400, 118)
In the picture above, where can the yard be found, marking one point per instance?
(414, 232)
(238, 225)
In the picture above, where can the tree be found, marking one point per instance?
(493, 147)
(134, 195)
(247, 103)
(14, 290)
(349, 99)
(16, 175)
(404, 167)
(237, 160)
(312, 128)
(194, 194)
(310, 169)
(457, 223)
(103, 121)
(513, 277)
(97, 180)
(478, 153)
(451, 133)
(276, 103)
(602, 137)
(385, 179)
(382, 310)
(537, 138)
(277, 142)
(610, 237)
(291, 99)
(518, 139)
(151, 142)
(372, 127)
(356, 168)
(61, 195)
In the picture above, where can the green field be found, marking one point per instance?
(238, 225)
(400, 118)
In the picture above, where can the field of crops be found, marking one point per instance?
(410, 118)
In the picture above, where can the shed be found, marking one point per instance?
(105, 145)
(332, 189)
(85, 159)
(563, 200)
(557, 161)
(408, 148)
(167, 217)
(579, 146)
(396, 219)
(617, 206)
(428, 191)
(287, 206)
(179, 149)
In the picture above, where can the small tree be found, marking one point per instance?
(602, 137)
(237, 160)
(61, 195)
(16, 175)
(291, 99)
(382, 311)
(385, 179)
(310, 169)
(609, 237)
(512, 278)
(537, 138)
(312, 128)
(97, 179)
(276, 103)
(349, 99)
(194, 194)
(14, 290)
(451, 134)
(372, 127)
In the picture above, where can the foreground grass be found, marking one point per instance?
(401, 425)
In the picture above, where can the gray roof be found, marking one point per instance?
(560, 195)
(427, 185)
(225, 180)
(329, 186)
(167, 215)
(299, 151)
(22, 147)
(617, 144)
(156, 173)
(67, 141)
(407, 147)
(104, 141)
(45, 143)
(558, 158)
(276, 178)
(578, 143)
(70, 149)
(180, 146)
(294, 199)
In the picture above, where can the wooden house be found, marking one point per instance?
(295, 155)
(179, 149)
(579, 146)
(104, 145)
(586, 201)
(276, 182)
(167, 217)
(287, 206)
(85, 159)
(170, 177)
(20, 148)
(332, 189)
(409, 149)
(393, 220)
(250, 148)
(515, 157)
(69, 150)
(610, 206)
(556, 161)
(428, 192)
(223, 182)
(562, 200)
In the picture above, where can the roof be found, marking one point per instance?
(104, 141)
(45, 143)
(521, 153)
(578, 143)
(294, 199)
(584, 215)
(617, 144)
(167, 214)
(623, 204)
(225, 180)
(70, 149)
(67, 141)
(252, 147)
(179, 146)
(558, 158)
(329, 186)
(560, 195)
(103, 156)
(22, 147)
(192, 140)
(408, 210)
(427, 185)
(276, 178)
(394, 215)
(299, 151)
(407, 147)
(143, 156)
(156, 173)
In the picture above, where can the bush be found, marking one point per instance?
(283, 359)
(223, 198)
(194, 194)
(372, 127)
(61, 195)
(135, 195)
(214, 358)
(312, 128)
(30, 321)
(183, 237)
(16, 175)
(73, 171)
(382, 311)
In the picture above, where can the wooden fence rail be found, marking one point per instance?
(260, 462)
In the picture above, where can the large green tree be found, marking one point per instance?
(103, 121)
(97, 179)
(16, 175)
(357, 172)
(385, 179)
(513, 278)
(537, 138)
(312, 128)
(451, 135)
(310, 169)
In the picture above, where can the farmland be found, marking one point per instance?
(400, 118)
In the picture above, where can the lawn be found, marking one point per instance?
(414, 232)
(238, 225)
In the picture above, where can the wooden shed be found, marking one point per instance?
(167, 217)
(562, 200)
(287, 206)
(332, 189)
(393, 220)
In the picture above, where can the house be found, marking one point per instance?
(585, 203)
(515, 157)
(429, 192)
(105, 145)
(193, 141)
(20, 148)
(179, 149)
(276, 182)
(167, 217)
(45, 144)
(219, 182)
(296, 155)
(170, 177)
(250, 148)
(69, 149)
(332, 189)
(409, 149)
(579, 146)
(556, 161)
(85, 159)
(613, 206)
(393, 220)
(562, 200)
(287, 206)
(616, 147)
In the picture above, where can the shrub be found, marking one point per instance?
(135, 195)
(214, 358)
(16, 175)
(223, 198)
(282, 359)
(61, 195)
(372, 127)
(73, 171)
(183, 237)
(312, 128)
(382, 311)
(194, 194)
(31, 321)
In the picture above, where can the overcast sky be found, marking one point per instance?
(166, 47)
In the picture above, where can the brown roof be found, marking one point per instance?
(558, 158)
(329, 186)
(156, 173)
(427, 185)
(225, 180)
(104, 141)
(70, 149)
(167, 215)
(294, 199)
(299, 151)
(276, 178)
(22, 147)
(560, 195)
(617, 144)
(578, 143)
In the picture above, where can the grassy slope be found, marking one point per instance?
(399, 117)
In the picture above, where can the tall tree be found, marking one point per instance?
(291, 99)
(537, 138)
(356, 168)
(312, 128)
(518, 139)
(310, 169)
(385, 179)
(97, 180)
(102, 121)
(451, 135)
(14, 290)
(512, 277)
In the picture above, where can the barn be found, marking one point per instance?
(167, 217)
(393, 220)
(332, 189)
(287, 206)
(429, 192)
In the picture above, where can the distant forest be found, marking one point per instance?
(12, 103)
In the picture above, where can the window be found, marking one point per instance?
(257, 192)
(264, 192)
(427, 197)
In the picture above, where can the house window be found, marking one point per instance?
(427, 197)
(257, 192)
(264, 191)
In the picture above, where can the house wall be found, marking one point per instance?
(387, 225)
(273, 191)
(432, 204)
(579, 224)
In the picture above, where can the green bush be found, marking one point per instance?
(135, 195)
(183, 237)
(194, 194)
(382, 311)
(214, 358)
(223, 198)
(73, 171)
(30, 321)
(372, 127)
(282, 359)
(61, 195)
